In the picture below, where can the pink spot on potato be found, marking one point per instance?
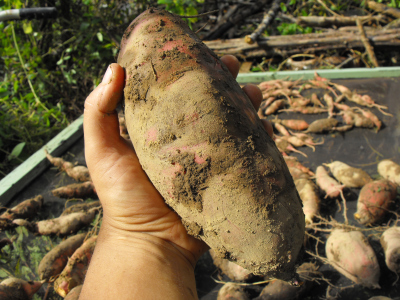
(151, 135)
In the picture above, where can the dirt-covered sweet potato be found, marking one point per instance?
(390, 170)
(18, 289)
(390, 241)
(279, 289)
(351, 177)
(25, 210)
(350, 253)
(201, 143)
(74, 293)
(75, 271)
(231, 291)
(374, 201)
(55, 261)
(230, 269)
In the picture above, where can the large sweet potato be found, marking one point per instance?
(201, 143)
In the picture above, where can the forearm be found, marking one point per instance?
(137, 266)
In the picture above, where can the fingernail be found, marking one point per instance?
(108, 76)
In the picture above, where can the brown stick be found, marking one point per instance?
(367, 45)
(382, 8)
(338, 21)
(301, 43)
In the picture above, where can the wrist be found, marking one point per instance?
(135, 262)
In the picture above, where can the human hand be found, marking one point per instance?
(131, 204)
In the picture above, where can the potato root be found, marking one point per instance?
(76, 268)
(75, 190)
(79, 173)
(374, 201)
(18, 289)
(350, 253)
(390, 241)
(202, 145)
(389, 170)
(24, 210)
(231, 291)
(351, 177)
(55, 261)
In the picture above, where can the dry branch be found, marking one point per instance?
(301, 43)
(382, 8)
(337, 21)
(367, 45)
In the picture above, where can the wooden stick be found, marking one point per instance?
(367, 45)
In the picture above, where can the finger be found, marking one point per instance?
(254, 93)
(232, 63)
(101, 126)
(268, 127)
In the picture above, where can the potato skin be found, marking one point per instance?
(201, 143)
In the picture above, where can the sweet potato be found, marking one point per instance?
(230, 269)
(65, 224)
(351, 177)
(308, 194)
(18, 289)
(81, 207)
(79, 173)
(350, 253)
(76, 268)
(231, 291)
(55, 261)
(74, 293)
(374, 200)
(389, 170)
(279, 289)
(390, 241)
(329, 185)
(24, 210)
(202, 145)
(75, 190)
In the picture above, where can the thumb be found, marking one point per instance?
(101, 126)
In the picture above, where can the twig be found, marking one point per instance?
(200, 15)
(268, 18)
(327, 8)
(367, 45)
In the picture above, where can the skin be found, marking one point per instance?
(142, 242)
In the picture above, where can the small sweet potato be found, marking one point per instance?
(65, 224)
(75, 271)
(230, 269)
(279, 289)
(329, 185)
(350, 253)
(81, 207)
(390, 170)
(18, 289)
(201, 143)
(74, 293)
(75, 190)
(390, 241)
(309, 195)
(79, 173)
(351, 177)
(55, 261)
(24, 210)
(374, 200)
(231, 291)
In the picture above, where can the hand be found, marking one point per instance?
(130, 201)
